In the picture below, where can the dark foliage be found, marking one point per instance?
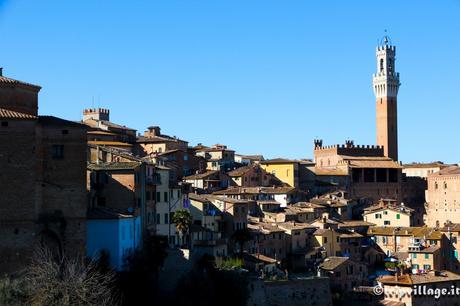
(139, 283)
(205, 285)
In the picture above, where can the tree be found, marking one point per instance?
(52, 279)
(138, 282)
(241, 236)
(182, 219)
(205, 285)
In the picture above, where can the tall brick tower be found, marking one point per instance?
(386, 85)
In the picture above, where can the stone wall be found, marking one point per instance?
(302, 292)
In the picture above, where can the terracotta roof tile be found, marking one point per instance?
(9, 81)
(51, 120)
(109, 143)
(113, 166)
(332, 262)
(200, 176)
(241, 170)
(279, 161)
(9, 114)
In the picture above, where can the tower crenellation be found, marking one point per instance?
(96, 114)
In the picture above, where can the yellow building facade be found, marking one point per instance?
(285, 170)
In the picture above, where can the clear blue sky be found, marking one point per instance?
(260, 76)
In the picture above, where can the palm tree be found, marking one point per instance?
(182, 219)
(241, 236)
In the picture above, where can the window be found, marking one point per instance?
(147, 195)
(414, 255)
(378, 216)
(65, 132)
(166, 219)
(57, 152)
(385, 212)
(4, 123)
(426, 267)
(415, 266)
(324, 239)
(158, 196)
(427, 256)
(398, 216)
(386, 222)
(166, 196)
(158, 219)
(456, 254)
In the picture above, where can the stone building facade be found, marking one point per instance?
(362, 171)
(443, 197)
(43, 183)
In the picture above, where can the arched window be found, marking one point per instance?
(381, 65)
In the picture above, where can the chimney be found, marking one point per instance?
(152, 131)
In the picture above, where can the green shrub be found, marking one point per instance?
(229, 264)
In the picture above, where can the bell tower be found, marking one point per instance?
(386, 85)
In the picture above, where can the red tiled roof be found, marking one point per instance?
(9, 114)
(5, 80)
(241, 170)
